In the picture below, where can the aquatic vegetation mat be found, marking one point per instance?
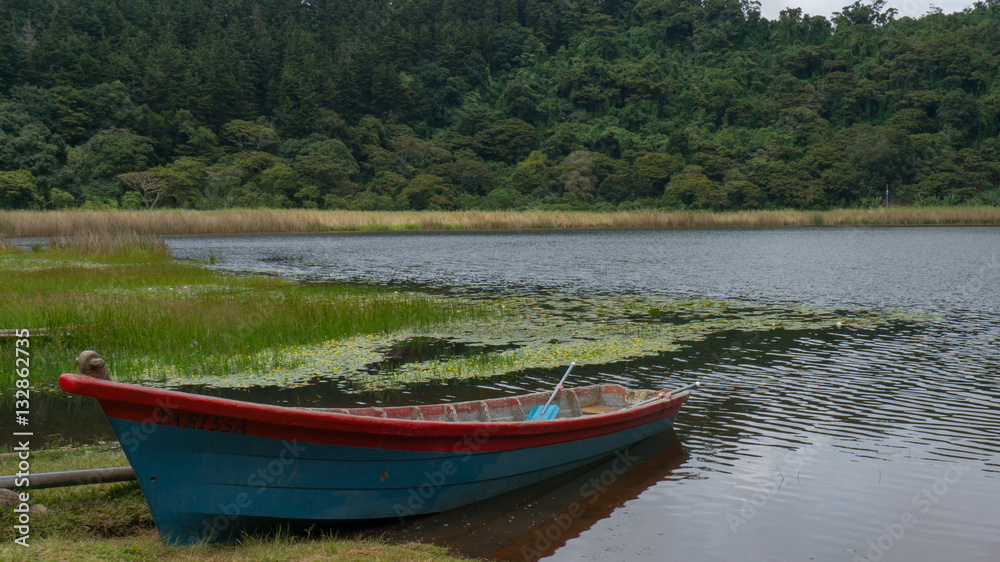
(530, 333)
(175, 324)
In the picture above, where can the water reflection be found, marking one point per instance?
(539, 520)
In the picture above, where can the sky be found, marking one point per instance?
(905, 8)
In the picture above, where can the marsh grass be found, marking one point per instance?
(246, 221)
(109, 246)
(147, 316)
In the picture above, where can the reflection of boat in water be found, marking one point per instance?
(539, 519)
(211, 467)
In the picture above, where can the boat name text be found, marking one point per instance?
(207, 422)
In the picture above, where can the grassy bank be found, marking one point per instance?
(126, 298)
(112, 522)
(15, 224)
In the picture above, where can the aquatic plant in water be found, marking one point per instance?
(538, 332)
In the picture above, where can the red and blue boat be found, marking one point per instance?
(211, 468)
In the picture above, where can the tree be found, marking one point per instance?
(426, 191)
(521, 99)
(692, 188)
(476, 120)
(562, 141)
(508, 139)
(18, 191)
(959, 111)
(325, 173)
(335, 150)
(532, 173)
(470, 175)
(249, 136)
(59, 199)
(656, 167)
(220, 182)
(506, 45)
(309, 196)
(878, 155)
(27, 143)
(200, 141)
(577, 176)
(107, 155)
(184, 178)
(150, 188)
(279, 179)
(864, 14)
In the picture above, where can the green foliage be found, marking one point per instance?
(18, 191)
(532, 173)
(245, 135)
(248, 103)
(508, 139)
(429, 192)
(656, 168)
(59, 199)
(108, 154)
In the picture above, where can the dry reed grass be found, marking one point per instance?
(15, 224)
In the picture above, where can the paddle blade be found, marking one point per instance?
(542, 413)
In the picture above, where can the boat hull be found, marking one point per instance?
(214, 486)
(211, 468)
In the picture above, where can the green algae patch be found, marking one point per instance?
(536, 332)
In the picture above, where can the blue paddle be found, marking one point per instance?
(546, 412)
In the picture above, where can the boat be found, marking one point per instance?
(211, 468)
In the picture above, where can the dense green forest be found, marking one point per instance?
(494, 104)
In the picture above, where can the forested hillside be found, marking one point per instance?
(490, 104)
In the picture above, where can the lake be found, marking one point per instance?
(838, 442)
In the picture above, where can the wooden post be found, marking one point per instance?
(91, 364)
(73, 477)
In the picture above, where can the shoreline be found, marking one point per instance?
(165, 222)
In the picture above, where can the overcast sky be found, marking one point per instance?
(909, 8)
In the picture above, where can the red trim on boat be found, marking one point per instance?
(206, 413)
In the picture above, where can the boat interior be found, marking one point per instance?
(573, 403)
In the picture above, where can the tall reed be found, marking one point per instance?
(120, 245)
(247, 221)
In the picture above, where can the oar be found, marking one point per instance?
(546, 412)
(671, 393)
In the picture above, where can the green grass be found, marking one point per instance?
(111, 247)
(146, 546)
(143, 313)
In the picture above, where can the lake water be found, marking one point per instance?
(841, 443)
